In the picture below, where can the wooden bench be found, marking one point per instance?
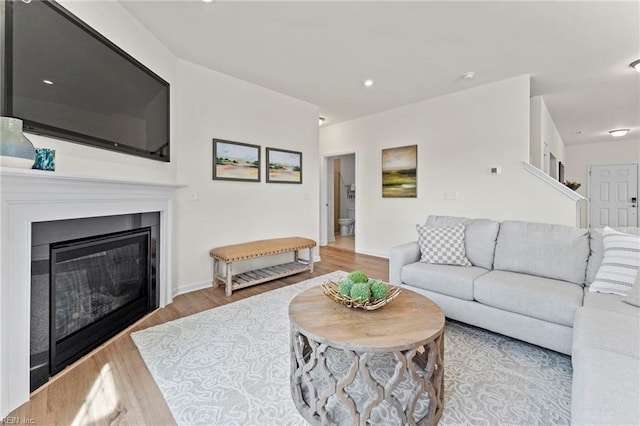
(254, 249)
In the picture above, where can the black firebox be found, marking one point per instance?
(98, 286)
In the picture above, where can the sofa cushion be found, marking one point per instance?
(620, 263)
(542, 298)
(455, 281)
(442, 245)
(597, 249)
(608, 302)
(605, 388)
(550, 251)
(607, 330)
(633, 298)
(480, 237)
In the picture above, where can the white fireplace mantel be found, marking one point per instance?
(29, 196)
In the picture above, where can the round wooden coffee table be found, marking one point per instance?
(367, 364)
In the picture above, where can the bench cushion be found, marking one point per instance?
(542, 298)
(455, 281)
(236, 252)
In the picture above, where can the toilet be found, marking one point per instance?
(347, 224)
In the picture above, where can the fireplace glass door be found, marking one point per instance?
(99, 286)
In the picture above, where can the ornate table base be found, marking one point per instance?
(331, 385)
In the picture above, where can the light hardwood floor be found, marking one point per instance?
(347, 242)
(112, 385)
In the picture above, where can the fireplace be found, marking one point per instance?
(99, 286)
(86, 288)
(31, 197)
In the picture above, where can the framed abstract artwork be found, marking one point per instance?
(284, 166)
(399, 172)
(236, 161)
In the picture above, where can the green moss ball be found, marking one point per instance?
(345, 287)
(379, 289)
(358, 277)
(361, 292)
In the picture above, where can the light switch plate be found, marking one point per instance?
(451, 195)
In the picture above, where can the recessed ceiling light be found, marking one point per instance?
(469, 75)
(635, 65)
(207, 1)
(47, 81)
(368, 83)
(618, 132)
(320, 121)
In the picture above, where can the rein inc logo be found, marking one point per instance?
(17, 421)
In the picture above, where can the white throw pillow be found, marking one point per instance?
(633, 298)
(442, 245)
(620, 264)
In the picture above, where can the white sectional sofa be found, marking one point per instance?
(531, 281)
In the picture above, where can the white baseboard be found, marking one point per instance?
(373, 253)
(191, 287)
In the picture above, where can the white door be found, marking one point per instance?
(613, 195)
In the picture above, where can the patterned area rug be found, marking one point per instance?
(230, 366)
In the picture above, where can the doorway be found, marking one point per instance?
(340, 221)
(613, 195)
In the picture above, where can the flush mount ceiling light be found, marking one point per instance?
(320, 121)
(469, 75)
(616, 133)
(368, 83)
(47, 82)
(635, 65)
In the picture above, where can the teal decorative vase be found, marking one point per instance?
(45, 159)
(15, 149)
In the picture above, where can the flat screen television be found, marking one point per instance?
(67, 81)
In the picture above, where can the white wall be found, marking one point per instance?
(115, 23)
(579, 157)
(459, 137)
(535, 132)
(543, 129)
(213, 105)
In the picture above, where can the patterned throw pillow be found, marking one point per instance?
(443, 245)
(620, 264)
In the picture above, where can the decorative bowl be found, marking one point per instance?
(331, 289)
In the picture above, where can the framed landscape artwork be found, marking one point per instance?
(399, 172)
(284, 166)
(236, 161)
